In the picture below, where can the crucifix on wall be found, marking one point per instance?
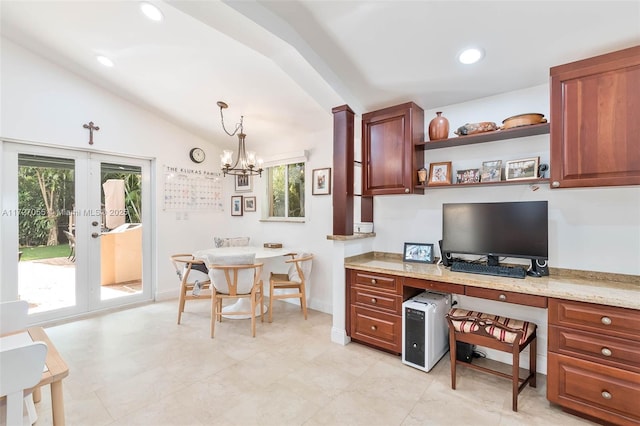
(91, 128)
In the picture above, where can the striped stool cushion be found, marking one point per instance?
(487, 321)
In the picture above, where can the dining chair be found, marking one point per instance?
(13, 317)
(194, 278)
(295, 278)
(236, 277)
(21, 368)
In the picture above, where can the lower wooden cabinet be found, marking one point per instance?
(593, 363)
(607, 393)
(380, 329)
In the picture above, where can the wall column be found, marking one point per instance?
(343, 140)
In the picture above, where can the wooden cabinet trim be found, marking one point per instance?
(507, 296)
(434, 285)
(367, 297)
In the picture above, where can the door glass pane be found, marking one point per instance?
(121, 234)
(46, 197)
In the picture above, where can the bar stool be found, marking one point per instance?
(495, 332)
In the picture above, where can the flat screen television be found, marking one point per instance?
(504, 229)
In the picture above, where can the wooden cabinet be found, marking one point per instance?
(507, 296)
(593, 364)
(389, 155)
(595, 121)
(374, 309)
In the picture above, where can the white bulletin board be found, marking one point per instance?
(192, 189)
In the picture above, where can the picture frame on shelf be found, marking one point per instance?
(491, 171)
(468, 176)
(249, 204)
(321, 181)
(243, 183)
(439, 173)
(236, 205)
(522, 169)
(418, 252)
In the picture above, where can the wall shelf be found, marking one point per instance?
(497, 183)
(498, 135)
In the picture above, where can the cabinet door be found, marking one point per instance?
(595, 121)
(390, 160)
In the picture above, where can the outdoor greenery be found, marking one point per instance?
(132, 194)
(287, 190)
(44, 252)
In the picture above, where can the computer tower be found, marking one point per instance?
(425, 336)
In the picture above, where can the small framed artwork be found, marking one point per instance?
(321, 181)
(236, 205)
(418, 252)
(491, 171)
(526, 168)
(468, 176)
(249, 204)
(243, 183)
(440, 173)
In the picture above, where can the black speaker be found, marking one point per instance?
(539, 268)
(445, 256)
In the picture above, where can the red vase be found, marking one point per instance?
(438, 127)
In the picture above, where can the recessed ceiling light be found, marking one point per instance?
(151, 11)
(105, 61)
(470, 56)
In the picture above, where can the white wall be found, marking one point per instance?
(44, 103)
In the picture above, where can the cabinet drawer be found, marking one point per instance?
(376, 300)
(612, 321)
(613, 351)
(434, 285)
(604, 392)
(377, 328)
(507, 296)
(374, 280)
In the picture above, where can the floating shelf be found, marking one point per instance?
(497, 183)
(498, 135)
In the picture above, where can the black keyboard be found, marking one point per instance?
(478, 268)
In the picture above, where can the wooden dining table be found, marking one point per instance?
(56, 370)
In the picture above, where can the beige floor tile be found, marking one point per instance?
(139, 367)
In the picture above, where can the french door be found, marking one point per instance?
(77, 229)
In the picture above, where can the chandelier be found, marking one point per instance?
(246, 163)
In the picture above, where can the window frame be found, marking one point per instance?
(284, 160)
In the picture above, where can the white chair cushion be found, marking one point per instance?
(196, 275)
(245, 276)
(306, 268)
(231, 242)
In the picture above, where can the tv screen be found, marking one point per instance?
(508, 229)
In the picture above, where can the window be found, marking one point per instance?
(285, 190)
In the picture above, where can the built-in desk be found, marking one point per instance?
(593, 319)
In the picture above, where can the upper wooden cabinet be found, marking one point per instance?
(595, 121)
(390, 159)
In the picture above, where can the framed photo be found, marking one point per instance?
(321, 179)
(491, 171)
(468, 176)
(527, 168)
(440, 173)
(236, 205)
(249, 204)
(243, 183)
(418, 252)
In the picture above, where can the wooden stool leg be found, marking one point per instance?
(452, 356)
(303, 301)
(270, 301)
(515, 381)
(533, 351)
(183, 296)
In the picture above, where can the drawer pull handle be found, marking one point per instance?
(502, 297)
(605, 320)
(606, 351)
(374, 327)
(606, 395)
(374, 300)
(373, 281)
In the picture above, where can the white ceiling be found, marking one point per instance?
(285, 64)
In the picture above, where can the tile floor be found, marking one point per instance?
(138, 367)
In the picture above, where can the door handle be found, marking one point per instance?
(95, 235)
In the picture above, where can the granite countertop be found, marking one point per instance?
(584, 286)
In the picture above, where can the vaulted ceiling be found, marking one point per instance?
(284, 64)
